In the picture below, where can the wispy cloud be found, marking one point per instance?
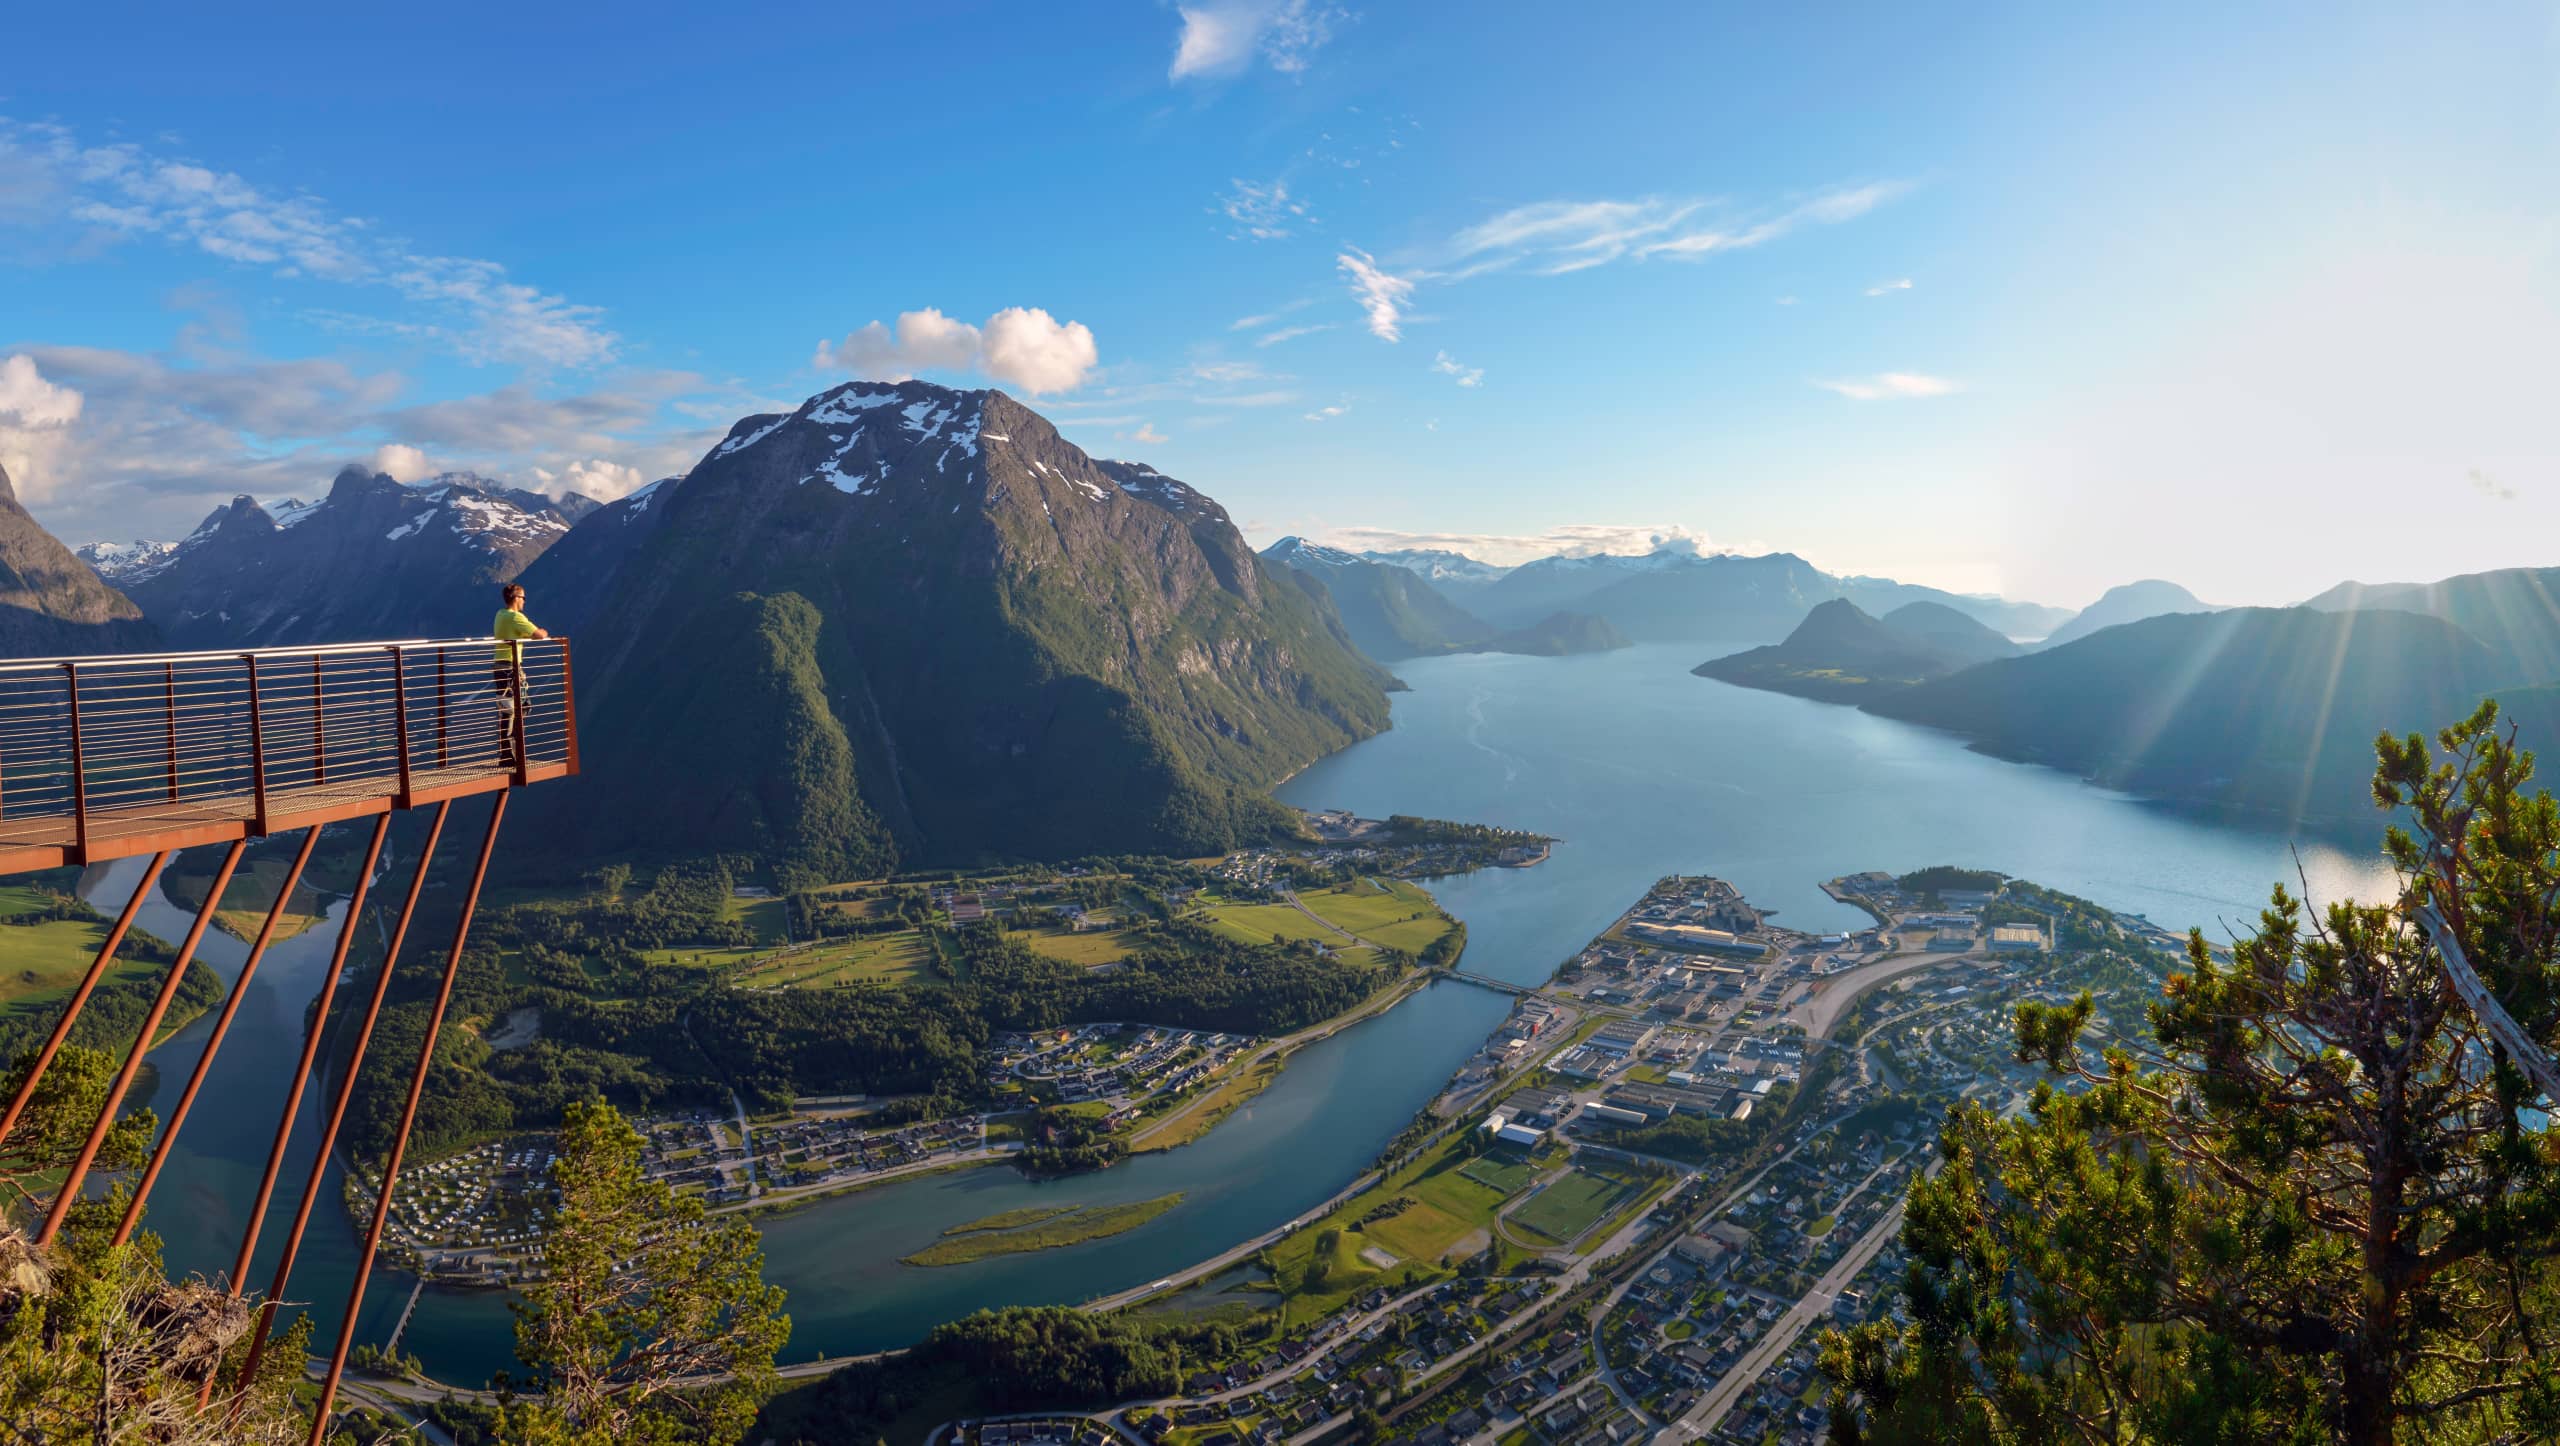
(1249, 323)
(1291, 333)
(124, 192)
(1225, 37)
(1553, 238)
(1327, 414)
(1579, 539)
(1381, 295)
(1449, 366)
(1888, 288)
(1890, 387)
(1262, 210)
(1148, 434)
(1022, 346)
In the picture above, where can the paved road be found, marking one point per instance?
(1781, 1337)
(789, 1194)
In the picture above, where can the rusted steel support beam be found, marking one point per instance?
(318, 1030)
(70, 1192)
(213, 1043)
(408, 1117)
(338, 1108)
(80, 996)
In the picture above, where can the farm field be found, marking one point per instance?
(1094, 946)
(39, 962)
(1267, 923)
(901, 958)
(1382, 911)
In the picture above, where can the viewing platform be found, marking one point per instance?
(106, 757)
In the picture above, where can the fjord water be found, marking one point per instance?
(1638, 767)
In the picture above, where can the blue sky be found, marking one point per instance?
(2033, 299)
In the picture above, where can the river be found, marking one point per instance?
(1638, 767)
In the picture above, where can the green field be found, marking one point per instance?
(901, 958)
(1268, 923)
(40, 962)
(1507, 1176)
(1564, 1210)
(1069, 1226)
(1382, 911)
(1449, 1218)
(1094, 946)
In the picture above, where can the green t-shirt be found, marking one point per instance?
(510, 627)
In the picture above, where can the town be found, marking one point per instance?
(1631, 1215)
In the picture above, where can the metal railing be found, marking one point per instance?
(105, 757)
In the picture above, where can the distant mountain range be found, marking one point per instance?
(1841, 654)
(912, 623)
(1677, 594)
(374, 558)
(1393, 612)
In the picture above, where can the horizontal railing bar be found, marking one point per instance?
(235, 655)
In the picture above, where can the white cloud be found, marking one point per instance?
(161, 439)
(121, 191)
(34, 416)
(1261, 211)
(1034, 351)
(1552, 238)
(600, 479)
(1225, 372)
(1890, 386)
(1147, 433)
(28, 400)
(1290, 333)
(1887, 288)
(1448, 366)
(1580, 539)
(1380, 295)
(1223, 37)
(1327, 414)
(402, 462)
(1022, 346)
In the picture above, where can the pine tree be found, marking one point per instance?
(651, 1323)
(2319, 1204)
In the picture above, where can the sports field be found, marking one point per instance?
(1563, 1211)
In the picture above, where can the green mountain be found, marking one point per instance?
(1955, 634)
(1839, 654)
(2261, 710)
(1389, 611)
(910, 623)
(2515, 611)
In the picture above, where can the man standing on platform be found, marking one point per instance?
(506, 670)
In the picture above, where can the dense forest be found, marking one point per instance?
(1024, 1359)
